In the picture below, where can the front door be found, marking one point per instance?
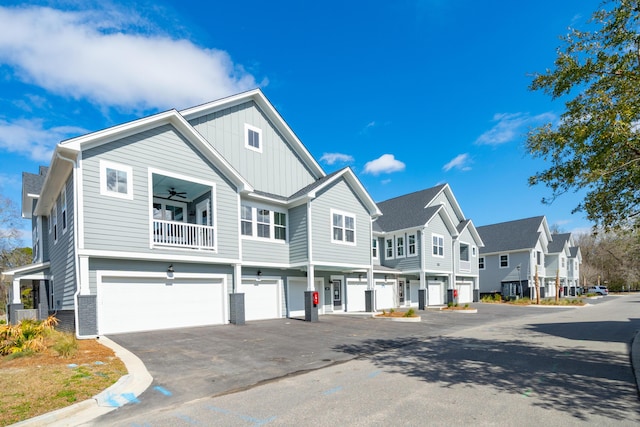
(401, 291)
(328, 305)
(337, 294)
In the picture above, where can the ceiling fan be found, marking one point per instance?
(173, 193)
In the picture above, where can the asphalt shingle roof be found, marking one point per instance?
(511, 235)
(32, 183)
(407, 211)
(557, 244)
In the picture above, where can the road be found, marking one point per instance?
(503, 366)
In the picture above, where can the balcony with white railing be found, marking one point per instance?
(183, 235)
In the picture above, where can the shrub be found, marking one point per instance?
(27, 336)
(466, 306)
(65, 344)
(391, 310)
(449, 304)
(497, 297)
(410, 313)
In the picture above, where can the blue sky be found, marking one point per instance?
(410, 94)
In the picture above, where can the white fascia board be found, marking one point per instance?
(356, 185)
(472, 229)
(454, 202)
(171, 117)
(511, 251)
(26, 208)
(25, 269)
(261, 100)
(57, 175)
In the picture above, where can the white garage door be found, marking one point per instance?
(356, 296)
(413, 294)
(385, 293)
(130, 304)
(262, 299)
(436, 294)
(465, 292)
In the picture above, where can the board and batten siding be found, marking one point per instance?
(62, 255)
(298, 237)
(434, 263)
(276, 170)
(442, 198)
(339, 197)
(116, 224)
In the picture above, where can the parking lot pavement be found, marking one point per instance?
(192, 363)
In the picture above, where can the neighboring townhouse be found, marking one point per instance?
(193, 217)
(564, 259)
(423, 244)
(513, 253)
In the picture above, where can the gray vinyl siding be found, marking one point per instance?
(433, 263)
(276, 170)
(44, 237)
(492, 276)
(407, 262)
(123, 225)
(467, 238)
(62, 255)
(298, 237)
(339, 197)
(255, 250)
(96, 264)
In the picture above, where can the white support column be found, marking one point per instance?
(370, 279)
(16, 292)
(237, 276)
(310, 278)
(84, 275)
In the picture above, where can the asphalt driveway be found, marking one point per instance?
(192, 363)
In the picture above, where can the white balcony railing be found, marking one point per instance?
(465, 265)
(183, 235)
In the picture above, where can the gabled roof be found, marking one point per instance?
(559, 242)
(278, 122)
(468, 224)
(408, 211)
(68, 150)
(515, 235)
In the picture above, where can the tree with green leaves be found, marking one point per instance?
(595, 145)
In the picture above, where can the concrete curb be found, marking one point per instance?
(124, 391)
(635, 359)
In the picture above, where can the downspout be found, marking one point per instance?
(310, 268)
(75, 239)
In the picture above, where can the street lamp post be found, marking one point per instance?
(519, 281)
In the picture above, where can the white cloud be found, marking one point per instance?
(331, 158)
(109, 59)
(460, 162)
(511, 126)
(29, 138)
(386, 163)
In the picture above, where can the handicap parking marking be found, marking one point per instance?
(374, 374)
(332, 391)
(163, 390)
(253, 420)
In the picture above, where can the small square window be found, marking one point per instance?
(116, 180)
(504, 261)
(253, 138)
(481, 263)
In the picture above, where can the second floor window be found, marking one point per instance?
(343, 228)
(116, 180)
(374, 248)
(253, 138)
(400, 246)
(63, 206)
(504, 261)
(481, 263)
(389, 249)
(263, 223)
(54, 217)
(438, 245)
(411, 241)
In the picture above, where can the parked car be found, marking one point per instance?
(599, 290)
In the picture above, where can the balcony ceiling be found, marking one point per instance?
(163, 184)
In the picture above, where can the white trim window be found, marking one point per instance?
(253, 138)
(411, 242)
(116, 180)
(481, 263)
(437, 245)
(504, 260)
(389, 249)
(63, 207)
(374, 248)
(400, 247)
(473, 251)
(54, 215)
(343, 228)
(35, 236)
(262, 223)
(50, 221)
(169, 210)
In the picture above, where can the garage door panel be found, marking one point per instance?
(144, 304)
(385, 295)
(465, 293)
(356, 296)
(261, 299)
(436, 294)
